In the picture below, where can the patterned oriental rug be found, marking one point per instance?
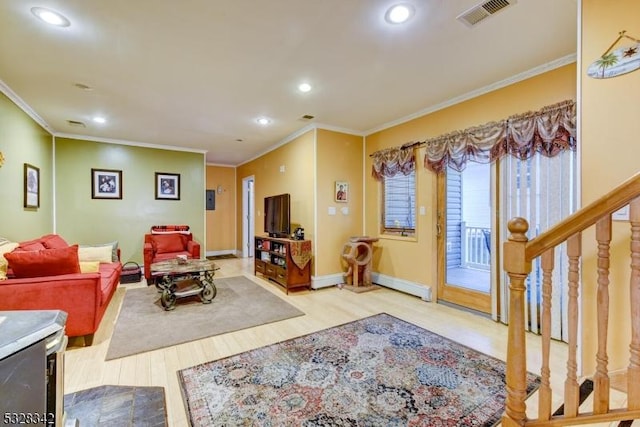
(378, 371)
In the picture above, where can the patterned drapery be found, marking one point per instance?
(548, 132)
(395, 160)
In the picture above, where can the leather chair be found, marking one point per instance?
(165, 246)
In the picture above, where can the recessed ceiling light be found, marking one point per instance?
(50, 17)
(399, 13)
(304, 87)
(99, 119)
(263, 121)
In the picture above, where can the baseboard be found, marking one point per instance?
(318, 282)
(223, 252)
(411, 288)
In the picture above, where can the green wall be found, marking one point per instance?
(81, 219)
(22, 141)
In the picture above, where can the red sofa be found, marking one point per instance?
(53, 281)
(163, 246)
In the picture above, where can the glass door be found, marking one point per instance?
(465, 229)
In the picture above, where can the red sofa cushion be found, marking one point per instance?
(164, 243)
(44, 262)
(53, 241)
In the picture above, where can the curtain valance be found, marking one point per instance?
(548, 132)
(394, 160)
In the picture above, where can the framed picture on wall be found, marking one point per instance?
(106, 184)
(342, 191)
(31, 186)
(167, 186)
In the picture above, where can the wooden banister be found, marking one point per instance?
(518, 255)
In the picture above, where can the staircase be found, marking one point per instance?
(519, 252)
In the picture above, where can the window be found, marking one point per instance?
(399, 204)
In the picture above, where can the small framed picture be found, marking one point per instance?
(31, 186)
(106, 184)
(167, 186)
(342, 191)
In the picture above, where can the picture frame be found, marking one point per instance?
(106, 184)
(31, 186)
(167, 186)
(341, 192)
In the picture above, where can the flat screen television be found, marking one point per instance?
(277, 215)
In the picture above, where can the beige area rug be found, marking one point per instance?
(143, 325)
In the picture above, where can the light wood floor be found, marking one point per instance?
(86, 367)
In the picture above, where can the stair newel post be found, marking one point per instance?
(517, 267)
(633, 373)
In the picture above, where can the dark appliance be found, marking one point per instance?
(277, 215)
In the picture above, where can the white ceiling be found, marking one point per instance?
(197, 73)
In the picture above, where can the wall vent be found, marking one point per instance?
(308, 117)
(76, 123)
(484, 10)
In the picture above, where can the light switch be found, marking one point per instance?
(282, 168)
(423, 210)
(344, 210)
(332, 210)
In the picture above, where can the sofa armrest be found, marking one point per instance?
(147, 259)
(193, 248)
(78, 293)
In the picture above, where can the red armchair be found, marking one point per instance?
(164, 246)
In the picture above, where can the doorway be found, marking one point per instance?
(248, 209)
(465, 229)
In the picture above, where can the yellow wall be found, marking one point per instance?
(339, 158)
(81, 219)
(610, 136)
(23, 141)
(298, 159)
(221, 222)
(400, 257)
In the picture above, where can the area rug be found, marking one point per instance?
(110, 405)
(143, 325)
(378, 371)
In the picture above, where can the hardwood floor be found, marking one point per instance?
(86, 367)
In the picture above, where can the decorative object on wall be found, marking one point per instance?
(341, 192)
(1, 159)
(620, 61)
(31, 186)
(106, 184)
(167, 186)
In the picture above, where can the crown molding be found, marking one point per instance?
(560, 62)
(130, 143)
(24, 106)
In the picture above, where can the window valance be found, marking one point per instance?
(394, 160)
(547, 131)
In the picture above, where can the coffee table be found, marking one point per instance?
(183, 279)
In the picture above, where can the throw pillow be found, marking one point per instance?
(53, 241)
(168, 243)
(5, 247)
(89, 266)
(31, 245)
(114, 249)
(95, 253)
(45, 262)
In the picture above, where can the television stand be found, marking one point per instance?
(284, 261)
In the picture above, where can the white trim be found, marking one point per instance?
(130, 143)
(412, 288)
(222, 252)
(318, 282)
(24, 107)
(478, 92)
(287, 139)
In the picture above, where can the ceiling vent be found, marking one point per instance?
(308, 117)
(482, 11)
(76, 124)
